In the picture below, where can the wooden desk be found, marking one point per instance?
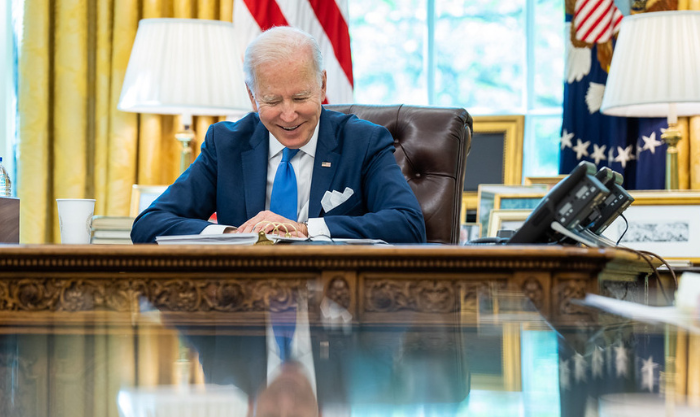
(376, 284)
(79, 323)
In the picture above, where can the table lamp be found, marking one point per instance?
(186, 67)
(655, 72)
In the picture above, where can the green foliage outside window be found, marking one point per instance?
(488, 56)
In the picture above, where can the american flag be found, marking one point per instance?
(596, 20)
(630, 146)
(325, 20)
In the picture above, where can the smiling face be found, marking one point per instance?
(288, 98)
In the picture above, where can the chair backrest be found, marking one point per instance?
(431, 148)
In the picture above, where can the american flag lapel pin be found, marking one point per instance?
(326, 164)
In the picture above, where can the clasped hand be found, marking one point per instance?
(265, 221)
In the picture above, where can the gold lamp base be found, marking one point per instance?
(185, 137)
(671, 137)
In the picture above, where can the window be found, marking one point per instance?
(8, 86)
(490, 57)
(389, 43)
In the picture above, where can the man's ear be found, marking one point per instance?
(323, 86)
(252, 99)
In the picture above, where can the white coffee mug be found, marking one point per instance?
(75, 218)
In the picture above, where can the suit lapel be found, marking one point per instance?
(254, 178)
(325, 163)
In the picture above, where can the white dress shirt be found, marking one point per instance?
(303, 165)
(302, 351)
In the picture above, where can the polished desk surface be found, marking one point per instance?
(413, 330)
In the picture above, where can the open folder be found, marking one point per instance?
(248, 239)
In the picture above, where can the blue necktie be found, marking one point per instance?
(284, 333)
(283, 200)
(285, 344)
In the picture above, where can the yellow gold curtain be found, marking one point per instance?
(687, 378)
(688, 366)
(689, 152)
(691, 169)
(73, 142)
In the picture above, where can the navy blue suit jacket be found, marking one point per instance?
(229, 177)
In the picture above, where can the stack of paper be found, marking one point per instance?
(111, 230)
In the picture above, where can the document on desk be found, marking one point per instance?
(360, 241)
(635, 311)
(245, 239)
(223, 239)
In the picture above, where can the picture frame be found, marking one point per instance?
(548, 181)
(506, 219)
(469, 232)
(666, 223)
(142, 196)
(498, 196)
(497, 141)
(527, 201)
(500, 370)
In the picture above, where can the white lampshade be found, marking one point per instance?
(656, 62)
(184, 66)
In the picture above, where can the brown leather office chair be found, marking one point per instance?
(432, 145)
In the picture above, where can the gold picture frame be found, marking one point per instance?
(501, 217)
(517, 201)
(548, 181)
(493, 196)
(508, 201)
(665, 222)
(509, 379)
(665, 197)
(142, 196)
(512, 127)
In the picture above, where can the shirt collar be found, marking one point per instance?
(309, 149)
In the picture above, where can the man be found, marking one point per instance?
(302, 367)
(348, 184)
(293, 368)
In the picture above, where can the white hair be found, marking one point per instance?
(277, 44)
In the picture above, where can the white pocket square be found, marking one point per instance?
(333, 199)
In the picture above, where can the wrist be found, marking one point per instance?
(304, 228)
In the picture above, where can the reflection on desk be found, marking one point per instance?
(389, 330)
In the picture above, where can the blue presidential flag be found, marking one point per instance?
(630, 146)
(606, 361)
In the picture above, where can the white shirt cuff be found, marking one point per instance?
(214, 229)
(317, 228)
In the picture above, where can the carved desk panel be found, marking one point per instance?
(375, 284)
